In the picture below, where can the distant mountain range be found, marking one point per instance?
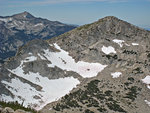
(18, 29)
(147, 29)
(102, 67)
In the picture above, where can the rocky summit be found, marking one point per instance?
(20, 28)
(101, 67)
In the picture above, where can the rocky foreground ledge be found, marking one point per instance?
(10, 110)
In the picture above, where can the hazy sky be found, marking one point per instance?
(81, 11)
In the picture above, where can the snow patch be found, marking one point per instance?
(6, 98)
(52, 90)
(135, 44)
(23, 90)
(127, 44)
(116, 74)
(5, 19)
(15, 23)
(27, 59)
(24, 16)
(30, 53)
(147, 102)
(108, 50)
(30, 59)
(51, 44)
(65, 62)
(146, 80)
(39, 24)
(41, 56)
(120, 42)
(148, 86)
(50, 108)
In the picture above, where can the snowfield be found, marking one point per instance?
(108, 50)
(65, 62)
(52, 90)
(116, 74)
(49, 90)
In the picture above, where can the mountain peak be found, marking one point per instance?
(23, 15)
(109, 18)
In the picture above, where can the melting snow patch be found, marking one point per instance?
(135, 44)
(5, 19)
(108, 50)
(148, 86)
(147, 102)
(24, 16)
(41, 57)
(64, 61)
(127, 44)
(50, 108)
(52, 90)
(30, 53)
(116, 74)
(119, 42)
(146, 80)
(39, 24)
(30, 59)
(23, 90)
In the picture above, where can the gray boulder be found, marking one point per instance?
(7, 110)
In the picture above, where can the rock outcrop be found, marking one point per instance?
(10, 110)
